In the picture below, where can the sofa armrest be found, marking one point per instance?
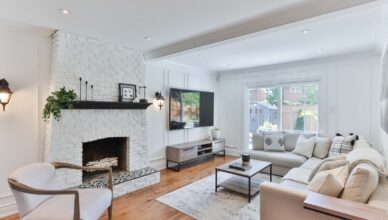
(282, 202)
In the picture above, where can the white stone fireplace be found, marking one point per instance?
(105, 66)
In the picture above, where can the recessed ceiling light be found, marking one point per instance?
(304, 32)
(147, 38)
(321, 50)
(64, 11)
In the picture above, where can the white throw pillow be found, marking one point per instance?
(330, 182)
(361, 183)
(304, 146)
(322, 147)
(273, 142)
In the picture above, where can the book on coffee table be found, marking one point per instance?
(240, 166)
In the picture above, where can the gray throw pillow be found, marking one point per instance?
(257, 142)
(322, 147)
(273, 142)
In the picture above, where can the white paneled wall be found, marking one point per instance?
(348, 95)
(24, 63)
(162, 77)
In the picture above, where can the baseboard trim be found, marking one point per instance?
(7, 205)
(233, 152)
(158, 163)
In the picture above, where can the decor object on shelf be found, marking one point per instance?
(5, 93)
(159, 99)
(216, 133)
(143, 100)
(62, 99)
(127, 92)
(86, 90)
(245, 159)
(92, 91)
(80, 88)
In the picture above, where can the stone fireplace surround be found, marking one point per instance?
(105, 66)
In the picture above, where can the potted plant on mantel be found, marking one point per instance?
(58, 100)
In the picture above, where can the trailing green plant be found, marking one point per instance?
(62, 99)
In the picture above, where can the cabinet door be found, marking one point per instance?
(218, 145)
(188, 153)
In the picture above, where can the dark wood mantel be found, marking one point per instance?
(110, 105)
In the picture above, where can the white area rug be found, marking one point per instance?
(200, 201)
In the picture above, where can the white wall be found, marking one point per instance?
(162, 77)
(349, 95)
(24, 63)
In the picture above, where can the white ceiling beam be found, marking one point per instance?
(268, 21)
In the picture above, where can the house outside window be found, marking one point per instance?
(285, 107)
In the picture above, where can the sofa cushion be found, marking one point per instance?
(290, 138)
(258, 141)
(304, 146)
(379, 197)
(361, 183)
(283, 159)
(312, 163)
(295, 185)
(93, 203)
(330, 182)
(298, 174)
(273, 142)
(322, 147)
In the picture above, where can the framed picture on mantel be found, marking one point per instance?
(127, 92)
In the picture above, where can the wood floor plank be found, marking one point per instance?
(142, 204)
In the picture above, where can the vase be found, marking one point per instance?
(216, 134)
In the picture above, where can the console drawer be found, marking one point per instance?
(218, 145)
(188, 153)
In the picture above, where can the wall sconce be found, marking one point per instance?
(159, 99)
(5, 93)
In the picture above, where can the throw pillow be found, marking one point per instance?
(342, 145)
(258, 142)
(328, 164)
(361, 183)
(304, 146)
(330, 182)
(290, 139)
(273, 142)
(322, 146)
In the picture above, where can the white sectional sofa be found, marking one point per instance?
(282, 162)
(285, 200)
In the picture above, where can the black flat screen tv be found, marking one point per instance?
(190, 109)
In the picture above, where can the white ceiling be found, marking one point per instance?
(127, 22)
(173, 23)
(332, 35)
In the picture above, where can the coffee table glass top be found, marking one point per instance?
(257, 166)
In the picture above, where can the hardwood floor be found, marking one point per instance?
(142, 204)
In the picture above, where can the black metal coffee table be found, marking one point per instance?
(251, 188)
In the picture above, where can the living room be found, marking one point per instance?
(194, 110)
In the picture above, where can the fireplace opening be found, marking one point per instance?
(107, 152)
